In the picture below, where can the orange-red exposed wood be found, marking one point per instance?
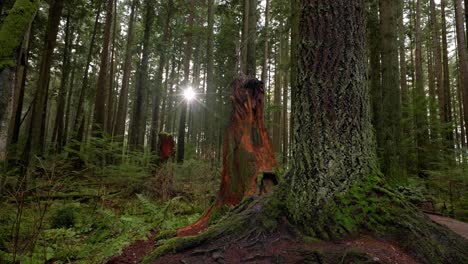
(247, 150)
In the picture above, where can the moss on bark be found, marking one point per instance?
(13, 28)
(369, 206)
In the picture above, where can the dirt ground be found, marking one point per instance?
(282, 247)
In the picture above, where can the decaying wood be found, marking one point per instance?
(247, 151)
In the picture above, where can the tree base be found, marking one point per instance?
(369, 208)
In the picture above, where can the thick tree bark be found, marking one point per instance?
(247, 151)
(332, 130)
(159, 78)
(102, 85)
(119, 129)
(462, 59)
(57, 133)
(138, 122)
(36, 135)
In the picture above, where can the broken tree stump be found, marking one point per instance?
(247, 150)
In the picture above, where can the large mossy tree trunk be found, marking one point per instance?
(332, 130)
(247, 151)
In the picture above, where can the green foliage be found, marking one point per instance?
(64, 218)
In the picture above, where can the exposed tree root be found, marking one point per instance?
(369, 207)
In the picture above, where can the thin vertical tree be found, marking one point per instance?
(186, 83)
(138, 121)
(391, 96)
(102, 86)
(122, 108)
(462, 59)
(36, 135)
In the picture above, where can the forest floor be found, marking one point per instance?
(283, 247)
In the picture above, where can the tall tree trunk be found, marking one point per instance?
(36, 135)
(332, 130)
(420, 115)
(462, 59)
(447, 102)
(285, 61)
(436, 49)
(210, 141)
(57, 134)
(252, 36)
(121, 118)
(186, 83)
(406, 128)
(80, 108)
(295, 10)
(138, 125)
(18, 96)
(266, 48)
(111, 89)
(391, 97)
(159, 78)
(102, 85)
(373, 41)
(12, 33)
(276, 135)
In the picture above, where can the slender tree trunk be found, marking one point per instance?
(138, 125)
(333, 92)
(36, 135)
(276, 135)
(266, 48)
(57, 134)
(373, 41)
(210, 140)
(420, 115)
(186, 82)
(80, 108)
(111, 89)
(159, 78)
(284, 115)
(252, 36)
(18, 96)
(447, 102)
(102, 85)
(121, 118)
(391, 96)
(244, 36)
(405, 94)
(462, 59)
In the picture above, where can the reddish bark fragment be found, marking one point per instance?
(247, 150)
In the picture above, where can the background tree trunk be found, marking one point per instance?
(462, 59)
(138, 125)
(36, 138)
(333, 138)
(102, 86)
(121, 118)
(391, 95)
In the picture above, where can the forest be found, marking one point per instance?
(233, 131)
